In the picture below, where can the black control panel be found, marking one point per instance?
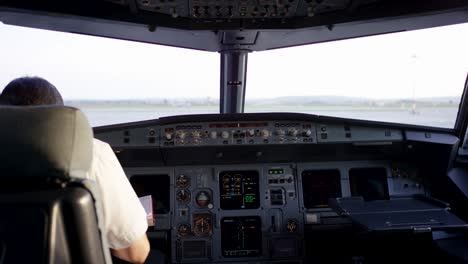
(259, 212)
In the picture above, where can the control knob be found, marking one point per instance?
(265, 133)
(292, 132)
(307, 133)
(213, 134)
(225, 134)
(196, 134)
(280, 132)
(250, 132)
(181, 134)
(168, 136)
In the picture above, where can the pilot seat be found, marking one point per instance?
(49, 212)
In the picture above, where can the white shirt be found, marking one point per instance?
(124, 216)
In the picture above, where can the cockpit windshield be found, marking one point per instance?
(113, 81)
(414, 77)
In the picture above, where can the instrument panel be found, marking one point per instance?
(259, 212)
(247, 190)
(246, 133)
(237, 133)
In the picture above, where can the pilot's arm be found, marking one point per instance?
(124, 217)
(137, 252)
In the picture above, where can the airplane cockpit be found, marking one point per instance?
(278, 186)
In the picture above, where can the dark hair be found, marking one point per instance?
(30, 91)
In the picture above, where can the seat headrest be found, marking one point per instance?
(44, 141)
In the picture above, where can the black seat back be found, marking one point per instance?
(47, 207)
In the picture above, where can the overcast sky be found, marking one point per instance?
(428, 63)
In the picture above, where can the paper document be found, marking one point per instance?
(147, 203)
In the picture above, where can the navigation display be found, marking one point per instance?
(370, 183)
(239, 190)
(241, 236)
(155, 185)
(319, 186)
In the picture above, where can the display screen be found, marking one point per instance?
(319, 186)
(155, 185)
(241, 236)
(370, 183)
(239, 190)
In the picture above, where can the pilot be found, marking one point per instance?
(124, 217)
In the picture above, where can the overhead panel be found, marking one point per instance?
(242, 9)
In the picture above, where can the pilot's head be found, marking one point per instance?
(30, 91)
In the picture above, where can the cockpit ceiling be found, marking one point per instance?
(217, 25)
(246, 14)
